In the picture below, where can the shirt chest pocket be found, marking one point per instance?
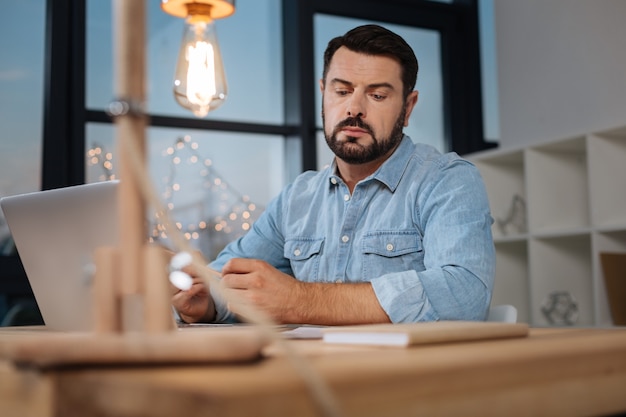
(391, 251)
(304, 257)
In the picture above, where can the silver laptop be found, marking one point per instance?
(55, 233)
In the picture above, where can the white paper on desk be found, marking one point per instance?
(407, 334)
(304, 332)
(368, 338)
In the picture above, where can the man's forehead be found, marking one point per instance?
(347, 64)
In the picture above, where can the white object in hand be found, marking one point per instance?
(181, 280)
(180, 260)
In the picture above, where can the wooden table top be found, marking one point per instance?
(551, 372)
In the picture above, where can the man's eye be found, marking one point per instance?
(378, 97)
(341, 92)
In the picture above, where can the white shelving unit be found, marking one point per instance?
(557, 206)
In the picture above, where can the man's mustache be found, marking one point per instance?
(354, 122)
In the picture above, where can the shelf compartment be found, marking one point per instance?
(606, 156)
(503, 175)
(511, 282)
(557, 184)
(614, 241)
(561, 274)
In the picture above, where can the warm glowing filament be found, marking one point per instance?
(200, 73)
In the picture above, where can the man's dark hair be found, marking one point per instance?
(376, 40)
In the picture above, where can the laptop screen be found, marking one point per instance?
(55, 233)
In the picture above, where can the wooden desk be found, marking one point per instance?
(553, 372)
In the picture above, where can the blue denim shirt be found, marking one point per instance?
(418, 229)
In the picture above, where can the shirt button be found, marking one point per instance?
(338, 281)
(346, 197)
(297, 252)
(345, 238)
(389, 247)
(333, 180)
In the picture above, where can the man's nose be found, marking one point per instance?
(356, 106)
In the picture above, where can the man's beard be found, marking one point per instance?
(352, 152)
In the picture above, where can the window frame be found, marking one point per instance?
(65, 114)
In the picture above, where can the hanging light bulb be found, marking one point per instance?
(200, 80)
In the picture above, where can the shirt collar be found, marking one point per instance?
(390, 172)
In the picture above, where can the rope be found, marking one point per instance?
(319, 389)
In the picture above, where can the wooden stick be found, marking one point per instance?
(158, 315)
(130, 44)
(106, 306)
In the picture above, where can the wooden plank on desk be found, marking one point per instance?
(213, 345)
(24, 392)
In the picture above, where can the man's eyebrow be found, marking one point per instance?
(380, 85)
(340, 81)
(369, 86)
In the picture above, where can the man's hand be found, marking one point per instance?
(287, 300)
(262, 286)
(194, 304)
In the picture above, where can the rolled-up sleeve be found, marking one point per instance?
(456, 281)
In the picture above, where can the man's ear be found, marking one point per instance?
(411, 101)
(322, 85)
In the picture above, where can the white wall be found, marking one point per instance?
(561, 68)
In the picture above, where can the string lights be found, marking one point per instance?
(98, 157)
(207, 210)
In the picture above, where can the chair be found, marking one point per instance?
(505, 313)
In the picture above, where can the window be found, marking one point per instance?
(21, 98)
(250, 163)
(250, 41)
(489, 70)
(21, 106)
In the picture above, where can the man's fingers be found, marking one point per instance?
(196, 287)
(236, 281)
(242, 266)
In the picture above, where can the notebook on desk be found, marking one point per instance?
(55, 233)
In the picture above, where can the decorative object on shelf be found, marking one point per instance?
(200, 80)
(560, 309)
(614, 271)
(515, 220)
